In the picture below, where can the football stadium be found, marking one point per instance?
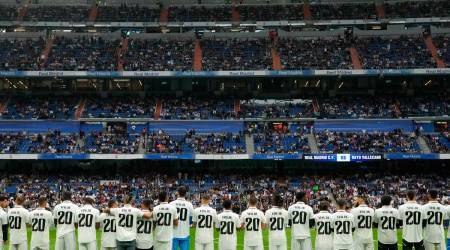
(224, 124)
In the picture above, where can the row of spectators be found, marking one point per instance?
(222, 13)
(190, 108)
(238, 188)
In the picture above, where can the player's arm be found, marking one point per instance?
(147, 215)
(176, 218)
(375, 221)
(5, 227)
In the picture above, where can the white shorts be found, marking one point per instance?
(301, 244)
(66, 242)
(253, 247)
(341, 247)
(88, 246)
(360, 245)
(21, 246)
(41, 247)
(162, 245)
(279, 245)
(434, 246)
(204, 246)
(223, 245)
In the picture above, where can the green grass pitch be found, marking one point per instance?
(240, 239)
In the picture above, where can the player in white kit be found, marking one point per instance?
(435, 215)
(165, 217)
(108, 227)
(227, 224)
(144, 237)
(411, 217)
(363, 224)
(18, 218)
(203, 219)
(324, 235)
(343, 225)
(88, 219)
(387, 221)
(253, 223)
(41, 220)
(185, 211)
(126, 223)
(64, 215)
(3, 221)
(301, 217)
(277, 218)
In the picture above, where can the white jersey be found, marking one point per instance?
(108, 227)
(205, 217)
(277, 219)
(363, 223)
(324, 236)
(228, 223)
(18, 218)
(126, 222)
(387, 218)
(163, 216)
(41, 220)
(144, 237)
(448, 218)
(253, 218)
(300, 215)
(343, 224)
(87, 217)
(185, 211)
(64, 213)
(3, 221)
(411, 214)
(435, 215)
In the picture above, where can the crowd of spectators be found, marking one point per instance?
(215, 143)
(112, 143)
(235, 54)
(83, 54)
(10, 142)
(438, 143)
(394, 53)
(32, 108)
(20, 54)
(197, 109)
(348, 107)
(159, 55)
(9, 13)
(343, 11)
(442, 44)
(199, 14)
(57, 13)
(277, 109)
(395, 141)
(127, 13)
(414, 9)
(120, 107)
(52, 142)
(293, 12)
(438, 105)
(297, 54)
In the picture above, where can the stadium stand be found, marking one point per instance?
(57, 14)
(119, 107)
(199, 13)
(127, 13)
(343, 11)
(20, 54)
(40, 107)
(414, 9)
(270, 12)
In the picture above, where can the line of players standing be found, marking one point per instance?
(168, 226)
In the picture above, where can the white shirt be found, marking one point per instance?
(324, 236)
(412, 216)
(41, 220)
(363, 223)
(108, 225)
(18, 218)
(228, 223)
(448, 217)
(185, 211)
(126, 222)
(144, 237)
(3, 221)
(435, 215)
(64, 213)
(277, 219)
(343, 223)
(253, 218)
(87, 218)
(387, 218)
(300, 215)
(163, 216)
(204, 216)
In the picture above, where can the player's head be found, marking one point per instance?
(66, 196)
(300, 196)
(360, 200)
(205, 199)
(277, 200)
(341, 204)
(411, 195)
(386, 200)
(432, 195)
(252, 202)
(3, 201)
(112, 204)
(227, 204)
(20, 200)
(324, 206)
(146, 204)
(127, 199)
(182, 191)
(88, 200)
(43, 202)
(163, 197)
